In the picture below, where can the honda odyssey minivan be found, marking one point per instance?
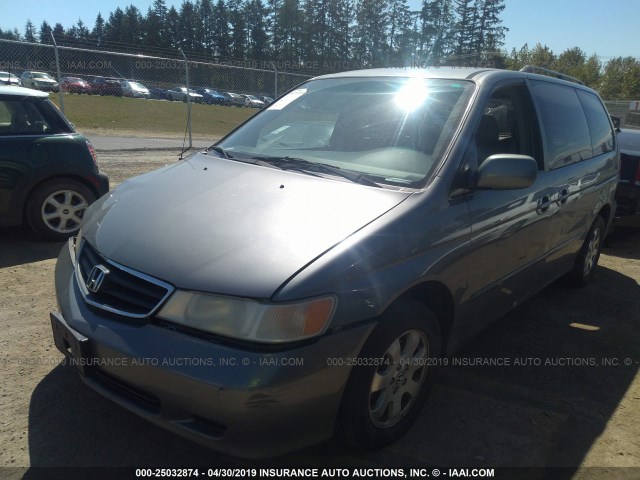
(299, 277)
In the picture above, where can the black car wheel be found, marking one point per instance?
(55, 209)
(390, 383)
(589, 254)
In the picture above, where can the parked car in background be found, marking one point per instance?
(628, 193)
(180, 94)
(40, 81)
(134, 89)
(364, 225)
(7, 78)
(252, 101)
(75, 85)
(235, 99)
(266, 100)
(158, 94)
(48, 172)
(107, 86)
(212, 97)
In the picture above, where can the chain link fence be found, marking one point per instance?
(127, 101)
(627, 111)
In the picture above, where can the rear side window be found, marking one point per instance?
(31, 117)
(21, 118)
(564, 125)
(599, 124)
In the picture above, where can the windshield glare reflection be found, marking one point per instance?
(392, 130)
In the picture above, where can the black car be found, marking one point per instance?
(48, 172)
(628, 193)
(158, 94)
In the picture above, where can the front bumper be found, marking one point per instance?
(47, 87)
(249, 403)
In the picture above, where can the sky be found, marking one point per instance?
(604, 27)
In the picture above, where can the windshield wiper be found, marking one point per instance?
(302, 165)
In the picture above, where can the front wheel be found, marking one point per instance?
(587, 258)
(388, 388)
(55, 209)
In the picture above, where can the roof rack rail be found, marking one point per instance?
(551, 73)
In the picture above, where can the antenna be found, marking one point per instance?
(188, 127)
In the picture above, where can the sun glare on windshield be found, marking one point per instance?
(411, 95)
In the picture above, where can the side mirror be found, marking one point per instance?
(506, 172)
(616, 122)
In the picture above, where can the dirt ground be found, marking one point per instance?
(568, 397)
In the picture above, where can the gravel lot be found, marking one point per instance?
(577, 412)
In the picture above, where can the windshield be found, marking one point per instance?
(42, 75)
(392, 130)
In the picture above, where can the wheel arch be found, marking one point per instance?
(606, 213)
(45, 180)
(436, 297)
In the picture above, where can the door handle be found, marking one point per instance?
(563, 196)
(543, 204)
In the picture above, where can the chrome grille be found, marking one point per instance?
(122, 290)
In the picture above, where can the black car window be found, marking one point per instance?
(599, 123)
(21, 118)
(564, 125)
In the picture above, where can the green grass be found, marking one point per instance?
(136, 116)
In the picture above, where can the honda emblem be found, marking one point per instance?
(96, 277)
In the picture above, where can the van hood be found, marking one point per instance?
(222, 226)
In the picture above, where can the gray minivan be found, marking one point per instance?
(303, 275)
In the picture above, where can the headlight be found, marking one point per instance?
(248, 319)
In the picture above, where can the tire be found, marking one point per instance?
(55, 208)
(587, 259)
(372, 417)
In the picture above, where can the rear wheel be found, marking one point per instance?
(589, 254)
(55, 209)
(389, 385)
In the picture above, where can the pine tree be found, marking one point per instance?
(370, 35)
(288, 35)
(131, 26)
(155, 30)
(98, 32)
(339, 39)
(10, 35)
(238, 29)
(188, 28)
(204, 30)
(29, 32)
(172, 25)
(315, 29)
(257, 38)
(490, 33)
(220, 30)
(465, 33)
(114, 26)
(437, 34)
(400, 33)
(45, 33)
(83, 31)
